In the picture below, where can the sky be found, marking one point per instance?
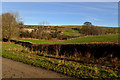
(60, 0)
(65, 13)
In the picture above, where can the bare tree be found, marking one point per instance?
(42, 28)
(44, 23)
(9, 25)
(20, 23)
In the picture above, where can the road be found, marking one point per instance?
(14, 69)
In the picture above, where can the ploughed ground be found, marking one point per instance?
(14, 69)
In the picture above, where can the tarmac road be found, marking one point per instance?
(14, 69)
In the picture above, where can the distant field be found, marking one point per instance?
(72, 34)
(67, 29)
(87, 39)
(100, 38)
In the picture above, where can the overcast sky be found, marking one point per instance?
(65, 13)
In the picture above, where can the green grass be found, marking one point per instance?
(100, 38)
(72, 34)
(87, 39)
(37, 41)
(67, 30)
(19, 53)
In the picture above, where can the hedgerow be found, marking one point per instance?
(69, 68)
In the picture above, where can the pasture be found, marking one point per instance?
(86, 39)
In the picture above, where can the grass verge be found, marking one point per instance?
(74, 69)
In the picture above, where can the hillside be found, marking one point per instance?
(87, 39)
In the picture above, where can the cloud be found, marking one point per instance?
(100, 7)
(91, 18)
(52, 12)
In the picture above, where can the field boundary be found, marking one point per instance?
(69, 49)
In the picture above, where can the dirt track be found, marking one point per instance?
(14, 69)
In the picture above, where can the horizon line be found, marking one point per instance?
(69, 25)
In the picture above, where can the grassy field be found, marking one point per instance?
(67, 30)
(71, 34)
(100, 38)
(70, 68)
(87, 39)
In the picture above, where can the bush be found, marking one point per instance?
(25, 34)
(46, 36)
(92, 30)
(62, 37)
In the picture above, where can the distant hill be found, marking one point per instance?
(64, 26)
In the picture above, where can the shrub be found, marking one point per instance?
(62, 37)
